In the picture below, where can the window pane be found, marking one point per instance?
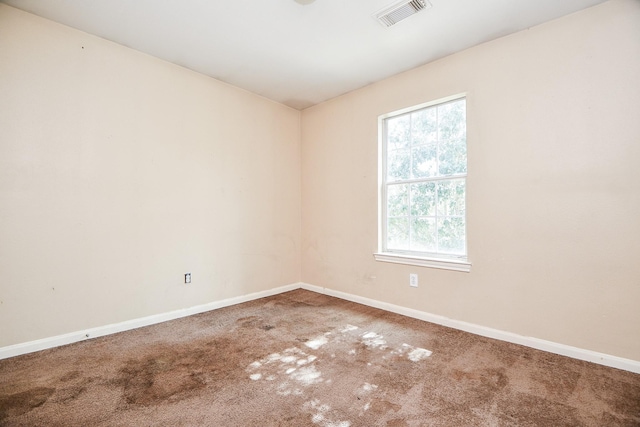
(423, 199)
(452, 120)
(424, 161)
(423, 234)
(451, 236)
(398, 200)
(424, 178)
(451, 197)
(398, 165)
(398, 233)
(398, 132)
(452, 157)
(424, 126)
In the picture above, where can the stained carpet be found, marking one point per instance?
(304, 359)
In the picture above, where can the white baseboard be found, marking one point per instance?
(549, 346)
(539, 344)
(56, 341)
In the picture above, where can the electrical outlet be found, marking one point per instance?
(413, 280)
(187, 278)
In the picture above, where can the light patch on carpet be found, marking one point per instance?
(290, 365)
(366, 390)
(418, 354)
(369, 387)
(373, 340)
(294, 369)
(317, 342)
(309, 359)
(271, 358)
(282, 361)
(307, 375)
(322, 416)
(415, 354)
(285, 389)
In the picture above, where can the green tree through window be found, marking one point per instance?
(424, 161)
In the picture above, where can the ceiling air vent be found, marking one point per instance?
(401, 10)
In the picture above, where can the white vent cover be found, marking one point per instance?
(400, 10)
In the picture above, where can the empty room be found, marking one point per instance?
(330, 213)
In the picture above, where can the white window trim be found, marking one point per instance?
(440, 261)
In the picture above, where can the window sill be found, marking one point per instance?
(442, 263)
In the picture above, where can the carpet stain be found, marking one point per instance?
(70, 376)
(523, 410)
(557, 378)
(157, 379)
(490, 380)
(69, 394)
(17, 404)
(621, 397)
(382, 407)
(249, 321)
(476, 388)
(173, 373)
(398, 422)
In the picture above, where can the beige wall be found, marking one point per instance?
(553, 185)
(120, 172)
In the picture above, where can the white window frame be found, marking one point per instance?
(422, 259)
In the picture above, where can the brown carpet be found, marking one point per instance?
(304, 359)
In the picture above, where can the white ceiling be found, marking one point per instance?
(294, 54)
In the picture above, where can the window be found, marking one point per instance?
(423, 171)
